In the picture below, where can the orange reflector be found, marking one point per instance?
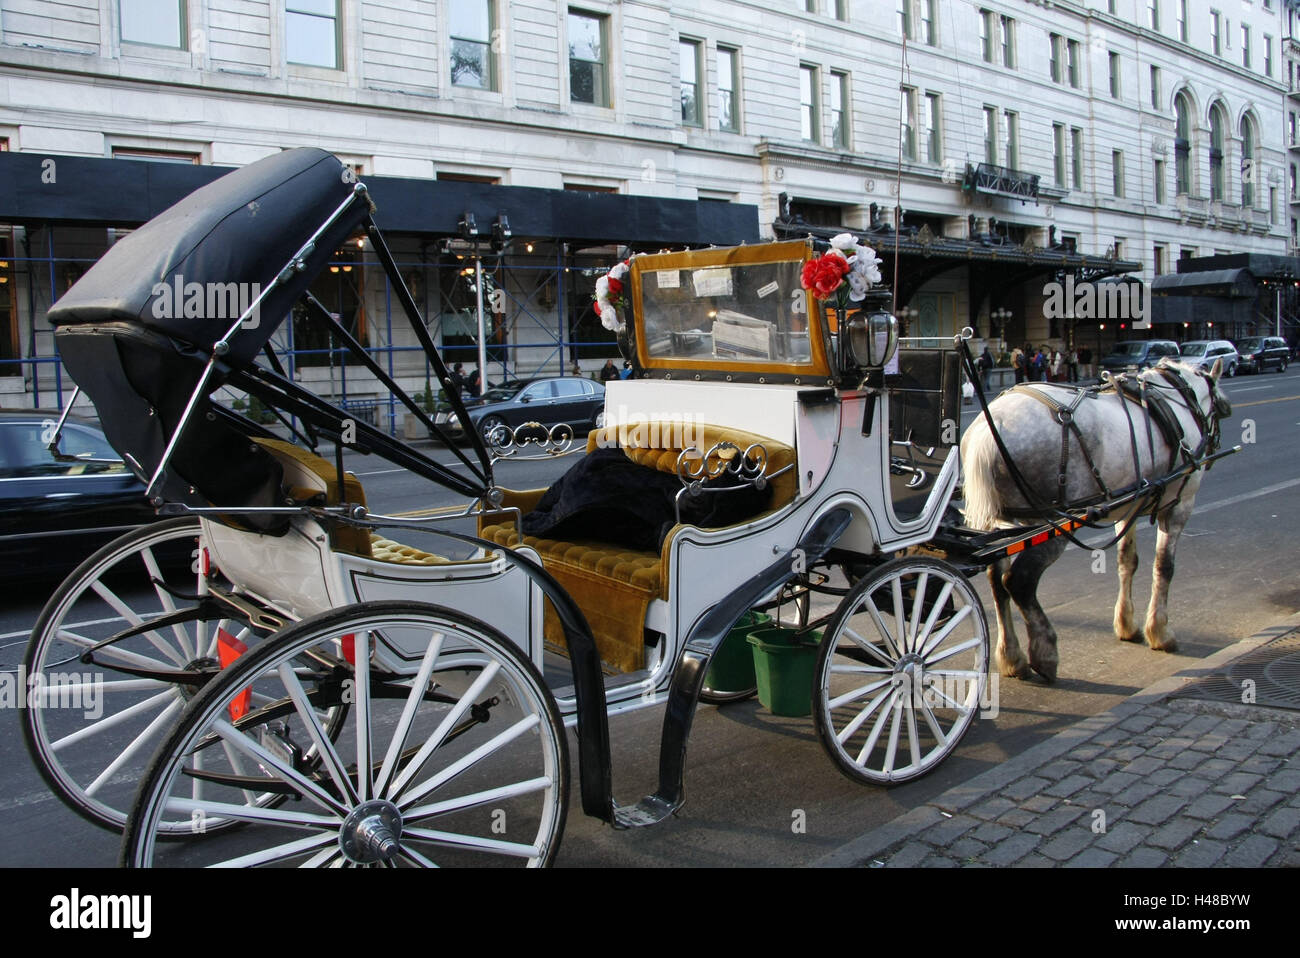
(229, 649)
(1015, 547)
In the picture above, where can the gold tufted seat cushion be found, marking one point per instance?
(614, 586)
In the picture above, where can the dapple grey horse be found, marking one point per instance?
(1032, 433)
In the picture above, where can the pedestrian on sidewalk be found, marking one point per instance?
(1072, 365)
(985, 364)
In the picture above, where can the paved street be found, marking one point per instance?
(760, 789)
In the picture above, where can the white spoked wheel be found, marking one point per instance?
(901, 671)
(460, 759)
(91, 727)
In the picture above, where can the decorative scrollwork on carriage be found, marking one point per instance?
(529, 441)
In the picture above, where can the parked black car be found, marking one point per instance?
(54, 512)
(571, 400)
(1138, 354)
(1259, 353)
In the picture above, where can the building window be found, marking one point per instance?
(588, 59)
(1216, 153)
(1245, 46)
(1182, 20)
(1248, 168)
(909, 123)
(1268, 56)
(1119, 247)
(1007, 35)
(311, 33)
(1158, 182)
(1153, 14)
(810, 6)
(809, 103)
(1155, 88)
(986, 35)
(1112, 59)
(1076, 157)
(905, 28)
(692, 109)
(991, 134)
(1011, 136)
(842, 10)
(1272, 205)
(1072, 62)
(1117, 172)
(1216, 36)
(1291, 129)
(158, 23)
(471, 44)
(1058, 152)
(841, 119)
(934, 128)
(1182, 146)
(1055, 53)
(155, 156)
(1111, 7)
(930, 22)
(728, 87)
(1158, 258)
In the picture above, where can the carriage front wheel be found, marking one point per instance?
(901, 671)
(457, 757)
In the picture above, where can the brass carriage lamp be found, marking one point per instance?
(873, 339)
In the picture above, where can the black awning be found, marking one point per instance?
(1213, 282)
(94, 191)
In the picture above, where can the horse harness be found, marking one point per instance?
(1159, 410)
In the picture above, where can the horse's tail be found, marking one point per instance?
(980, 460)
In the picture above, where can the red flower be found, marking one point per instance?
(823, 275)
(615, 286)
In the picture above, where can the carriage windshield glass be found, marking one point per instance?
(736, 313)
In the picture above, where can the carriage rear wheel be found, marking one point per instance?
(901, 671)
(91, 727)
(461, 758)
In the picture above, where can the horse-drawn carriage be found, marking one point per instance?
(347, 697)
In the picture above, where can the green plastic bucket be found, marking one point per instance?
(732, 667)
(784, 662)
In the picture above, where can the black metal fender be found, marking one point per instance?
(688, 676)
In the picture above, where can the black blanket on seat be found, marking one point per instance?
(609, 498)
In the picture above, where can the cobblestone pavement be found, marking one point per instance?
(1154, 781)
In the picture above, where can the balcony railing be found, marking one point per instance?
(1001, 181)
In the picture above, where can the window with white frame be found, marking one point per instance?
(1153, 14)
(905, 27)
(841, 118)
(1245, 45)
(1117, 172)
(1155, 87)
(471, 25)
(1113, 66)
(1182, 20)
(1076, 157)
(1268, 56)
(1216, 35)
(311, 33)
(1055, 55)
(934, 128)
(1011, 137)
(991, 134)
(728, 89)
(689, 73)
(1072, 62)
(1007, 35)
(987, 26)
(909, 123)
(930, 22)
(156, 23)
(1058, 153)
(588, 58)
(810, 103)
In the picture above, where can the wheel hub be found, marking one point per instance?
(207, 666)
(371, 833)
(909, 671)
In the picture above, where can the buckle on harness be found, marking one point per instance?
(1064, 416)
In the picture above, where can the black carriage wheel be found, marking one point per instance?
(901, 671)
(462, 757)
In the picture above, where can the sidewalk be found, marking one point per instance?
(1157, 780)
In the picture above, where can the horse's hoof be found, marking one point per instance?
(1018, 669)
(1047, 672)
(1131, 637)
(1166, 644)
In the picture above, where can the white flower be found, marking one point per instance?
(619, 271)
(866, 264)
(602, 289)
(858, 286)
(609, 318)
(844, 242)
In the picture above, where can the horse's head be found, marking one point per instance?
(1207, 402)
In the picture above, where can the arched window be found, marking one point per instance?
(1248, 169)
(1216, 153)
(1183, 145)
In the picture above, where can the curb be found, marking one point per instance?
(859, 851)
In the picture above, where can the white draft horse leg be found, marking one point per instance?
(1022, 583)
(1125, 630)
(1011, 661)
(1169, 528)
